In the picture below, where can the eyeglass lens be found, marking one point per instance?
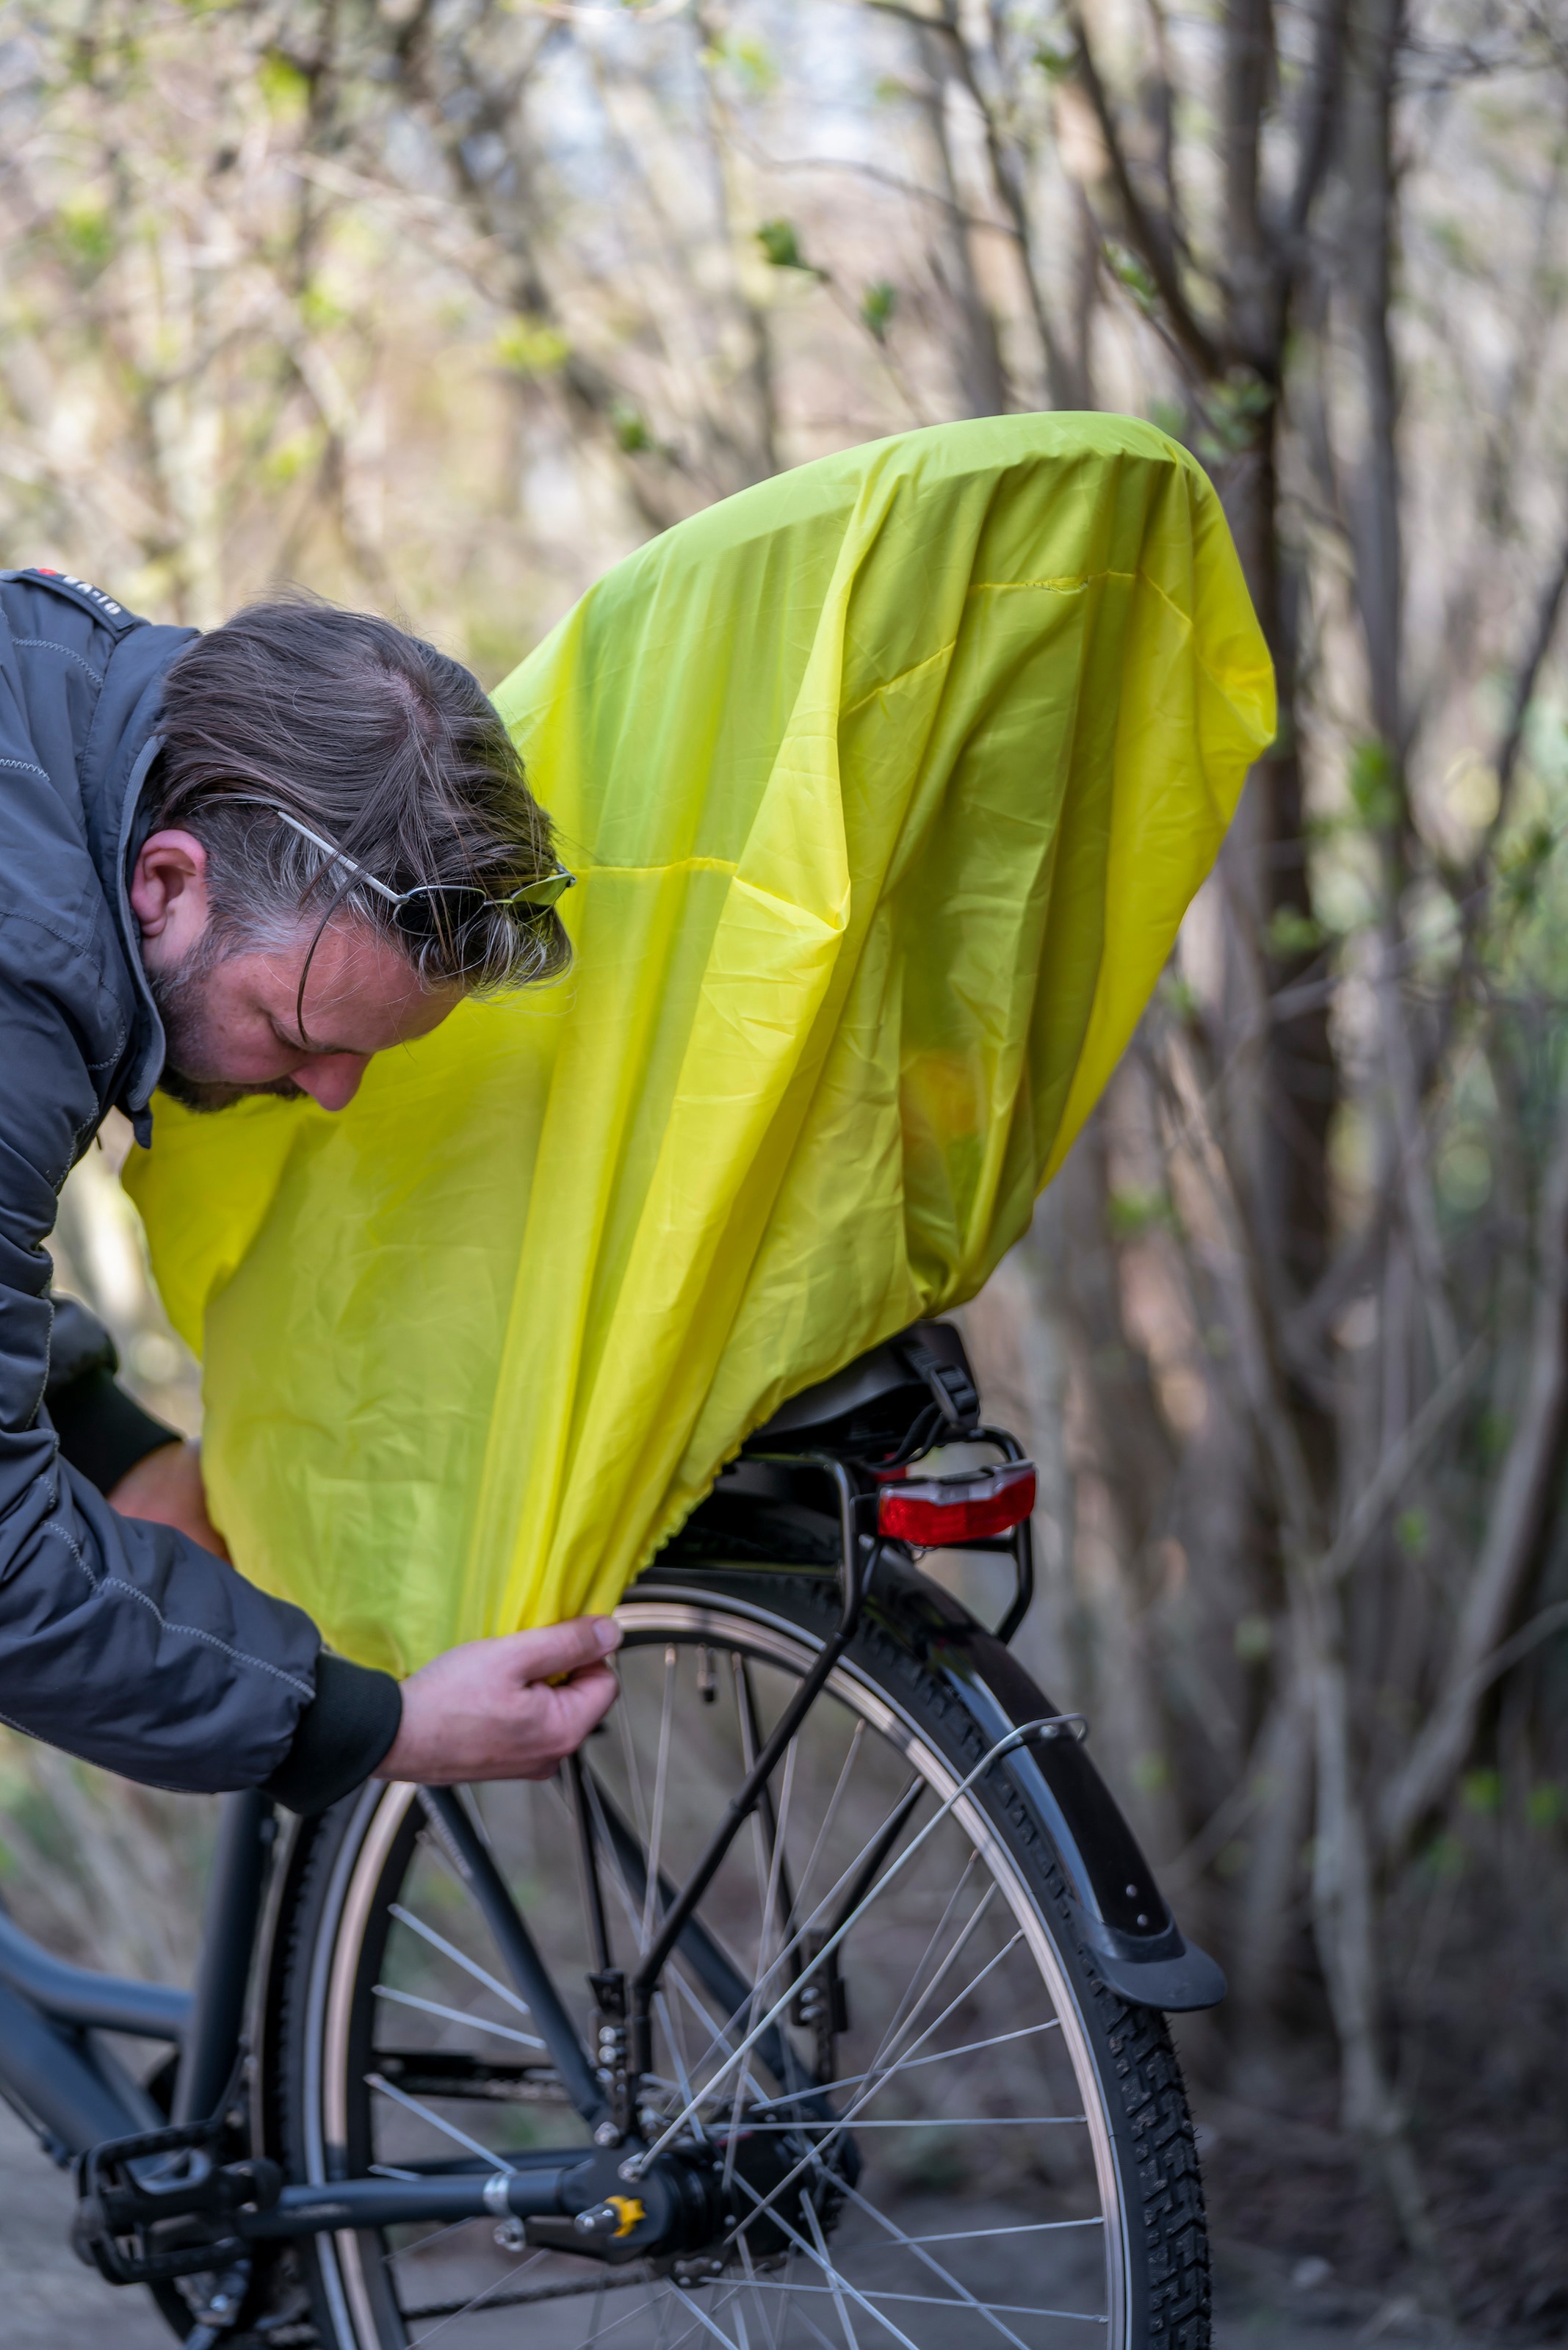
(452, 906)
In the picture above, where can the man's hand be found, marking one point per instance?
(166, 1486)
(487, 1710)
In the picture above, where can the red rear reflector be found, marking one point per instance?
(934, 1511)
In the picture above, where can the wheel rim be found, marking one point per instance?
(988, 2205)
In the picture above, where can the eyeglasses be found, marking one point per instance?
(432, 908)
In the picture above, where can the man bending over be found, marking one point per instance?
(230, 864)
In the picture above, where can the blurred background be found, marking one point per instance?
(441, 305)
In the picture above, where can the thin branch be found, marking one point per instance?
(1472, 890)
(1400, 1463)
(880, 179)
(1317, 126)
(1519, 1506)
(1154, 250)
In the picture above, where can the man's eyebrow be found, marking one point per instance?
(303, 1044)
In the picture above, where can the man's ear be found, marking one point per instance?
(168, 894)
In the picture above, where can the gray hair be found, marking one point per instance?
(385, 746)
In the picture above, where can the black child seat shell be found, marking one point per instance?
(888, 1405)
(119, 1641)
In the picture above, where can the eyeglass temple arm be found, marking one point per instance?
(368, 880)
(337, 856)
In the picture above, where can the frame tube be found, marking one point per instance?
(51, 2079)
(81, 1996)
(233, 1905)
(745, 1802)
(527, 1969)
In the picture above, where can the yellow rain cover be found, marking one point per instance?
(888, 783)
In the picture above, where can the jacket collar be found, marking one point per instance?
(117, 759)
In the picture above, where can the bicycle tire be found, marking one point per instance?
(328, 1953)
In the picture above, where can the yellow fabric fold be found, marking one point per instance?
(888, 783)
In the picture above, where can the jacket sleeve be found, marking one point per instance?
(101, 1429)
(120, 1640)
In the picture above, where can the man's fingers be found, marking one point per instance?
(575, 1707)
(586, 1699)
(559, 1649)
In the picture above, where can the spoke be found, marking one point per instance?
(413, 2252)
(770, 1895)
(1004, 1745)
(800, 2243)
(744, 1723)
(822, 2146)
(681, 1962)
(778, 1882)
(655, 1837)
(955, 2003)
(815, 2224)
(890, 2037)
(447, 2129)
(459, 1957)
(745, 2251)
(804, 2316)
(768, 1826)
(670, 2017)
(480, 2297)
(791, 1948)
(912, 2121)
(890, 2071)
(856, 1740)
(595, 2316)
(1027, 2228)
(702, 2319)
(621, 1716)
(942, 2056)
(572, 2289)
(935, 2301)
(601, 1830)
(455, 2015)
(944, 2276)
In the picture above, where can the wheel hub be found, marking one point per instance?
(685, 2209)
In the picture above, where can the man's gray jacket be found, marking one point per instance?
(120, 1640)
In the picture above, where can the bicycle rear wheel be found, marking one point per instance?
(976, 2139)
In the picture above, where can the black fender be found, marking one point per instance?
(1117, 1907)
(1120, 1913)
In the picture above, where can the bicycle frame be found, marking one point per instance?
(83, 2103)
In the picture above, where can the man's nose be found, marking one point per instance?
(333, 1079)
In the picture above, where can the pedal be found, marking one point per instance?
(177, 2221)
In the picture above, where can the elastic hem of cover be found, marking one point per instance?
(102, 1432)
(343, 1733)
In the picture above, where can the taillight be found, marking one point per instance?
(931, 1511)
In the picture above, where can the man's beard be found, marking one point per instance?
(179, 996)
